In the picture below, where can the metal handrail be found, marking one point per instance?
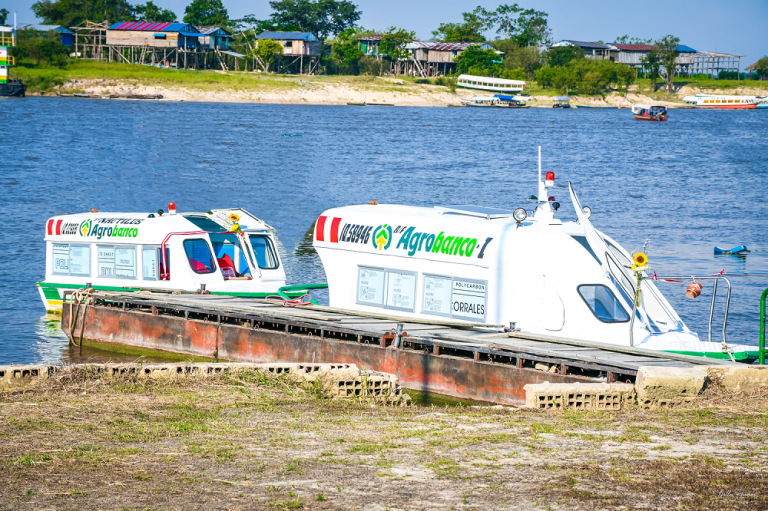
(716, 278)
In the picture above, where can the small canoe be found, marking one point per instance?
(356, 104)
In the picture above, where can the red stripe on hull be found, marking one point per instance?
(320, 229)
(335, 230)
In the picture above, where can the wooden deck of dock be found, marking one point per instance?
(457, 359)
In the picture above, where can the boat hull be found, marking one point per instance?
(649, 118)
(729, 107)
(51, 294)
(14, 88)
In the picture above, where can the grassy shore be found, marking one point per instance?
(246, 441)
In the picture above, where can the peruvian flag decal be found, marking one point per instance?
(326, 230)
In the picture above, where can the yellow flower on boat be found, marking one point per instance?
(640, 259)
(235, 228)
(234, 217)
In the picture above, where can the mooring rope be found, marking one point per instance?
(295, 302)
(84, 297)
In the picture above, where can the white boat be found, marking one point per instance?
(722, 102)
(482, 102)
(224, 251)
(490, 84)
(498, 269)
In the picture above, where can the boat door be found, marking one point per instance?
(231, 256)
(264, 254)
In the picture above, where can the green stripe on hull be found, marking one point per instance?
(742, 356)
(52, 288)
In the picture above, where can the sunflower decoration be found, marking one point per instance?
(640, 260)
(640, 264)
(234, 218)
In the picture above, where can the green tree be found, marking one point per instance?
(346, 55)
(3, 16)
(532, 28)
(73, 12)
(151, 12)
(268, 50)
(40, 47)
(667, 49)
(324, 18)
(516, 57)
(393, 43)
(651, 62)
(206, 13)
(470, 31)
(478, 62)
(565, 79)
(625, 39)
(561, 55)
(761, 66)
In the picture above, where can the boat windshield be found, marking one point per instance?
(264, 252)
(230, 256)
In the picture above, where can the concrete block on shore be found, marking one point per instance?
(18, 376)
(740, 377)
(659, 387)
(579, 396)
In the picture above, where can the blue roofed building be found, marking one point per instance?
(295, 43)
(158, 35)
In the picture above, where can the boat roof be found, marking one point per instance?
(642, 105)
(561, 98)
(488, 79)
(146, 227)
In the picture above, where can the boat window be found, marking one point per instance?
(72, 260)
(205, 224)
(152, 263)
(199, 255)
(584, 243)
(265, 254)
(230, 256)
(390, 289)
(116, 262)
(603, 304)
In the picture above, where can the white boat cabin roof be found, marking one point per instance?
(146, 227)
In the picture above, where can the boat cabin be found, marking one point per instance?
(495, 269)
(650, 112)
(490, 84)
(225, 251)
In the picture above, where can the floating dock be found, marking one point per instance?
(457, 359)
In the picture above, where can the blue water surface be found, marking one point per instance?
(689, 184)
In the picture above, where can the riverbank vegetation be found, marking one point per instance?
(245, 440)
(521, 49)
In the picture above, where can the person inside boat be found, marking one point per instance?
(230, 256)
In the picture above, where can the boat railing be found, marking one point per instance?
(679, 279)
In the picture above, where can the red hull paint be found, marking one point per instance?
(730, 107)
(648, 118)
(453, 376)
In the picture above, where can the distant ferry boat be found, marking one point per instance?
(723, 102)
(490, 84)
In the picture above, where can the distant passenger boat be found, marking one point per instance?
(490, 84)
(561, 102)
(723, 102)
(482, 102)
(503, 101)
(650, 113)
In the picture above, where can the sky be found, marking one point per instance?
(737, 27)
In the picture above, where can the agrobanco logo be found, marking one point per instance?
(414, 241)
(104, 228)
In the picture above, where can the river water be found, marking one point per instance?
(692, 183)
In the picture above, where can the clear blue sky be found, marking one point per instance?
(738, 26)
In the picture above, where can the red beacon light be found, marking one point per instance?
(171, 208)
(549, 180)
